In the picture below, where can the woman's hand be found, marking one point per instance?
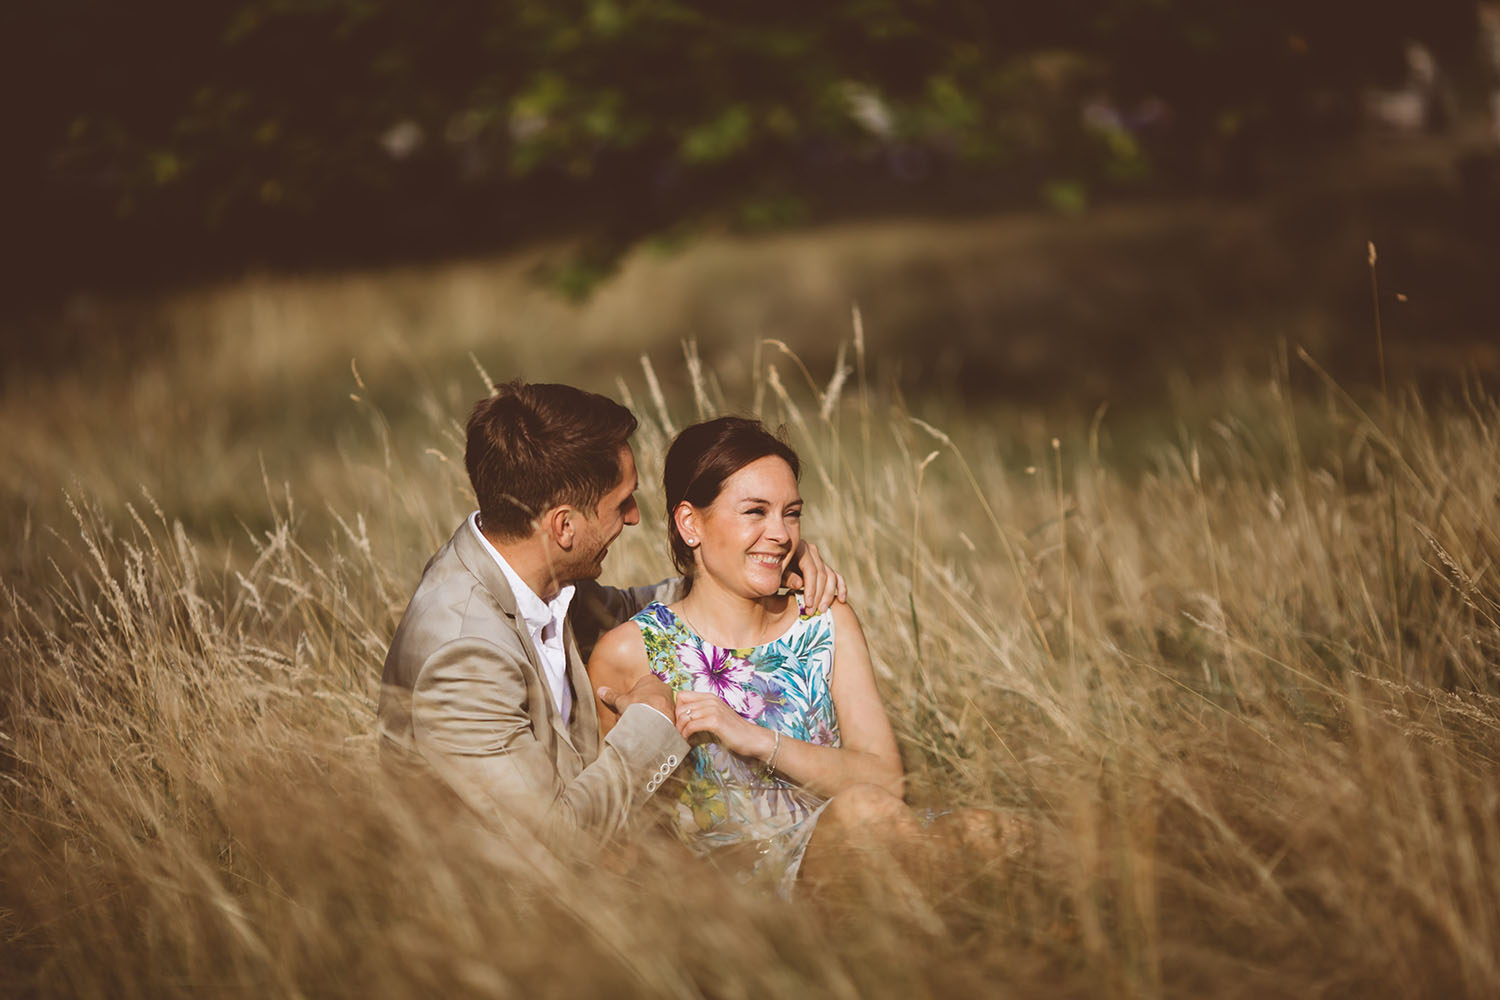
(702, 712)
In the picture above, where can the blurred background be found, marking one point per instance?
(1066, 200)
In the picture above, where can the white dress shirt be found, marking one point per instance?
(544, 622)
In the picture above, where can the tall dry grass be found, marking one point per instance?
(1247, 693)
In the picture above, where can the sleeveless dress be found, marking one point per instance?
(751, 822)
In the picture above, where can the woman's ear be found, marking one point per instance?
(686, 519)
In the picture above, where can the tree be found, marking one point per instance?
(168, 134)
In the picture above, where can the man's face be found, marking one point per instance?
(593, 535)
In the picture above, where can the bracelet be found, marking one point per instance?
(775, 749)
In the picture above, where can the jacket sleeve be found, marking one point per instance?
(471, 724)
(600, 608)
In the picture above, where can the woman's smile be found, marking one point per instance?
(747, 533)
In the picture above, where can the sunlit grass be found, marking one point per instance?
(1245, 688)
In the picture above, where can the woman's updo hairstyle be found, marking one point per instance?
(702, 457)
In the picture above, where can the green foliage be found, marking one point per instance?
(350, 123)
(719, 138)
(1066, 197)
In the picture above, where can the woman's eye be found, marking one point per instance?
(794, 513)
(757, 511)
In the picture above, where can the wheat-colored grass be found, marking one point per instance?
(1247, 693)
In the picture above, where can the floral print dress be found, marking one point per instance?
(730, 808)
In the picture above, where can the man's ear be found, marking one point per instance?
(559, 524)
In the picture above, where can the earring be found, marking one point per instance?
(692, 543)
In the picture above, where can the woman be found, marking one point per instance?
(792, 744)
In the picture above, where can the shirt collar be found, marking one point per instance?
(534, 611)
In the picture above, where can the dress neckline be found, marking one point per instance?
(796, 620)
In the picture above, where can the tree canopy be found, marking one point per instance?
(153, 138)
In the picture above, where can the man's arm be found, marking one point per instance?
(617, 604)
(600, 608)
(470, 724)
(819, 582)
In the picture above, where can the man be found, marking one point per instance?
(484, 684)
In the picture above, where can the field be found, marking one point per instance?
(1234, 655)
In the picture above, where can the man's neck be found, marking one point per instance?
(527, 558)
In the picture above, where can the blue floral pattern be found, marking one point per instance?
(729, 807)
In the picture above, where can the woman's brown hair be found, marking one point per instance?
(702, 457)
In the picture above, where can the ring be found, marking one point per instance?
(687, 713)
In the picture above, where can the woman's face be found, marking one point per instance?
(750, 530)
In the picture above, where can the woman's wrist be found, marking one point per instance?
(770, 742)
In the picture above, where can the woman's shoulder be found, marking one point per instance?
(654, 617)
(620, 646)
(837, 612)
(841, 618)
(815, 626)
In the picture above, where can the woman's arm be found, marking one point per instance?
(868, 754)
(618, 661)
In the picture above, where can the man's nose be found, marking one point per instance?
(633, 514)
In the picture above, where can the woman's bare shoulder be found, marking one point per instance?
(843, 617)
(621, 650)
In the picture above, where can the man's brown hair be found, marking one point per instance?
(532, 447)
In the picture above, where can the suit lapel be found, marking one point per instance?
(479, 562)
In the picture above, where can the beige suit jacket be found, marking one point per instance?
(464, 694)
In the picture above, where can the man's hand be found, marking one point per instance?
(650, 690)
(819, 583)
